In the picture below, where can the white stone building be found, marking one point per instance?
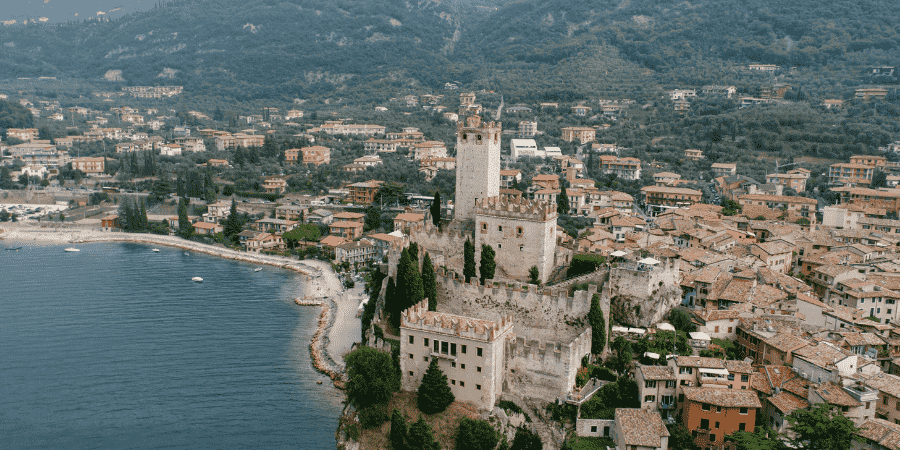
(471, 352)
(522, 232)
(477, 164)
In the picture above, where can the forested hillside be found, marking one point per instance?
(526, 49)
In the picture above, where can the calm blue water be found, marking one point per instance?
(115, 347)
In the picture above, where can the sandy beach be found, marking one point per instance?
(338, 326)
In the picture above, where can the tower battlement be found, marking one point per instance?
(477, 164)
(517, 208)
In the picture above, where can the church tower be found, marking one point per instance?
(477, 164)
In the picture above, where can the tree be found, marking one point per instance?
(598, 326)
(469, 260)
(681, 320)
(414, 254)
(488, 265)
(398, 431)
(476, 435)
(409, 286)
(680, 437)
(4, 215)
(161, 190)
(582, 264)
(185, 228)
(371, 377)
(303, 232)
(525, 439)
(562, 203)
(534, 275)
(436, 209)
(391, 306)
(373, 217)
(759, 439)
(879, 179)
(730, 207)
(420, 436)
(821, 427)
(429, 283)
(434, 394)
(233, 223)
(624, 354)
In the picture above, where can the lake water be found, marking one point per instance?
(115, 347)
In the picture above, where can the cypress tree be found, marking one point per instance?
(488, 265)
(145, 224)
(400, 300)
(185, 228)
(469, 260)
(409, 284)
(390, 302)
(414, 255)
(598, 326)
(398, 431)
(429, 283)
(434, 394)
(562, 203)
(420, 436)
(233, 222)
(436, 209)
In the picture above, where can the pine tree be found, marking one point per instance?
(525, 439)
(476, 435)
(398, 431)
(420, 436)
(409, 284)
(534, 275)
(429, 282)
(598, 326)
(185, 228)
(436, 209)
(469, 260)
(488, 265)
(414, 255)
(434, 394)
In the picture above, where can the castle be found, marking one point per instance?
(477, 165)
(522, 233)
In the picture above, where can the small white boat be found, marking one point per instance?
(197, 279)
(155, 250)
(187, 254)
(257, 269)
(72, 249)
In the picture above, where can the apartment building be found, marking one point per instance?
(656, 385)
(364, 192)
(624, 168)
(581, 134)
(89, 165)
(710, 414)
(724, 169)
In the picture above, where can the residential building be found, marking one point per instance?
(710, 414)
(724, 169)
(795, 181)
(877, 434)
(429, 150)
(682, 94)
(290, 212)
(869, 160)
(888, 386)
(581, 110)
(640, 429)
(802, 206)
(406, 221)
(346, 229)
(656, 386)
(824, 363)
(470, 352)
(208, 229)
(373, 145)
(263, 241)
(659, 198)
(717, 90)
(315, 155)
(275, 185)
(89, 165)
(338, 127)
(527, 129)
(666, 178)
(868, 94)
(777, 254)
(581, 134)
(509, 178)
(22, 134)
(850, 174)
(271, 225)
(763, 67)
(320, 216)
(625, 168)
(361, 251)
(693, 154)
(363, 193)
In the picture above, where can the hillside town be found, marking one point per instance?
(729, 303)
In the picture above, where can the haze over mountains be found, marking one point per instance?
(271, 48)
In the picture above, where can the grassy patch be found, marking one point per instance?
(590, 443)
(443, 425)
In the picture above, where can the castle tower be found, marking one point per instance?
(477, 164)
(522, 233)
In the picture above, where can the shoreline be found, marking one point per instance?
(317, 274)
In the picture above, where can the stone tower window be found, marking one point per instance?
(499, 227)
(478, 138)
(519, 231)
(465, 136)
(483, 227)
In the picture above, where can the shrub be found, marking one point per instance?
(476, 435)
(434, 394)
(372, 416)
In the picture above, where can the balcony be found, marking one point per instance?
(444, 356)
(667, 406)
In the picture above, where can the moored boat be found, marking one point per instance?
(155, 250)
(197, 279)
(72, 249)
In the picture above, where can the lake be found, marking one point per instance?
(115, 347)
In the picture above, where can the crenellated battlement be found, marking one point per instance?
(418, 317)
(517, 208)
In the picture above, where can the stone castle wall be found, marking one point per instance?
(642, 296)
(544, 368)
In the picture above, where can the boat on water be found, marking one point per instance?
(197, 279)
(257, 269)
(15, 249)
(72, 249)
(155, 250)
(187, 254)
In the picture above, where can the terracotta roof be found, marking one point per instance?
(886, 383)
(641, 427)
(861, 339)
(348, 215)
(410, 217)
(787, 342)
(835, 395)
(738, 366)
(822, 355)
(346, 224)
(657, 372)
(332, 241)
(885, 433)
(787, 402)
(699, 361)
(728, 398)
